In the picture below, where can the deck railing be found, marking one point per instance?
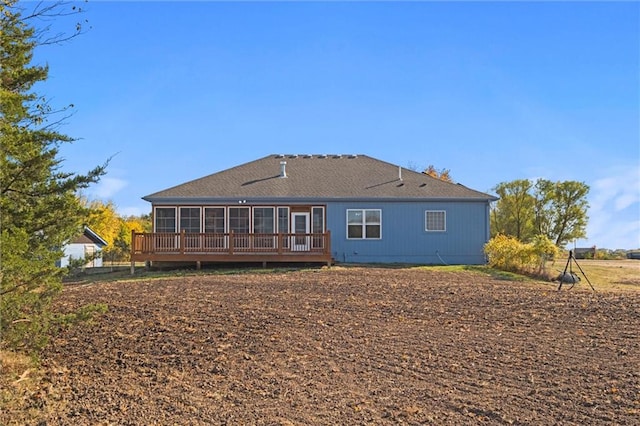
(184, 243)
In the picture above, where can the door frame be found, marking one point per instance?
(298, 243)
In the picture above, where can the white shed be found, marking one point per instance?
(87, 244)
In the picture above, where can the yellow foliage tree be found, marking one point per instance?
(509, 254)
(442, 174)
(104, 220)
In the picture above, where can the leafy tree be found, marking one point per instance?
(513, 212)
(121, 248)
(561, 210)
(103, 219)
(38, 204)
(557, 210)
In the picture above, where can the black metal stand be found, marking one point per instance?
(564, 278)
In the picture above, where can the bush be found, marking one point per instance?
(509, 254)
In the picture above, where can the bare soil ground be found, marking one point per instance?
(347, 346)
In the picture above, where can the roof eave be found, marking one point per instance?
(93, 236)
(272, 200)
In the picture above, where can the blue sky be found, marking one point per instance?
(492, 91)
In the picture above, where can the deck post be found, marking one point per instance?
(133, 249)
(182, 241)
(280, 242)
(231, 242)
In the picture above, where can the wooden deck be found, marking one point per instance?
(230, 247)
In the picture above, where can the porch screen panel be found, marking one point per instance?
(214, 227)
(165, 219)
(239, 224)
(214, 220)
(264, 223)
(165, 227)
(317, 227)
(190, 224)
(283, 224)
(190, 219)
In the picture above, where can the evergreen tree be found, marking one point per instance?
(39, 207)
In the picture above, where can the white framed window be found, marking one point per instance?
(214, 220)
(190, 219)
(283, 219)
(214, 226)
(364, 224)
(165, 222)
(239, 220)
(317, 227)
(317, 220)
(190, 224)
(263, 220)
(240, 225)
(165, 219)
(435, 221)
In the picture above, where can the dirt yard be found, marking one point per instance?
(348, 346)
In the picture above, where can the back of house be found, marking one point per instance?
(327, 208)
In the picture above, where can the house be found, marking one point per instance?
(317, 208)
(86, 245)
(584, 252)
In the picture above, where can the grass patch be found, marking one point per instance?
(143, 274)
(617, 275)
(481, 269)
(26, 394)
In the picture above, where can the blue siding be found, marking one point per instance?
(404, 238)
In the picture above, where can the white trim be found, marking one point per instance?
(295, 245)
(324, 218)
(204, 217)
(364, 224)
(155, 217)
(288, 209)
(274, 217)
(179, 218)
(228, 218)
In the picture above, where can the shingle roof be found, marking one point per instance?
(317, 177)
(89, 236)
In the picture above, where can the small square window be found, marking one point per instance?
(435, 221)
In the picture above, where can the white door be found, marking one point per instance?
(300, 226)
